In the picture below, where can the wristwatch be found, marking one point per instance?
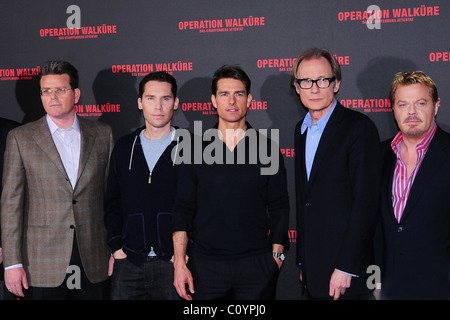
(279, 255)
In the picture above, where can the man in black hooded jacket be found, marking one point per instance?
(140, 193)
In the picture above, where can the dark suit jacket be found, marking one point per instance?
(417, 250)
(337, 208)
(41, 210)
(5, 126)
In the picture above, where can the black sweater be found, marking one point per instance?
(231, 210)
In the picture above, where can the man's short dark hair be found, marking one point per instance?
(161, 76)
(60, 67)
(230, 72)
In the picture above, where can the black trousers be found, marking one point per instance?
(87, 290)
(252, 277)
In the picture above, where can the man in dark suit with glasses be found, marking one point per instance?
(337, 175)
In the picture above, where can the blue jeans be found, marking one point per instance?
(152, 280)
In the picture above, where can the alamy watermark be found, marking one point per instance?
(263, 149)
(74, 280)
(74, 20)
(373, 22)
(374, 280)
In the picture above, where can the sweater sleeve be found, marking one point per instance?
(278, 205)
(185, 201)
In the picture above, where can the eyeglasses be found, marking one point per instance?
(322, 83)
(58, 92)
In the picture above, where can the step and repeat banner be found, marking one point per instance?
(115, 43)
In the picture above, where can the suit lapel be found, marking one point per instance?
(438, 151)
(301, 182)
(44, 140)
(301, 155)
(87, 143)
(388, 180)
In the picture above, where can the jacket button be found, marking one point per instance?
(72, 226)
(308, 204)
(399, 229)
(74, 201)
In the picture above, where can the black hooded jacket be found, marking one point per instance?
(138, 206)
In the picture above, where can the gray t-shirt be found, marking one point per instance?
(153, 149)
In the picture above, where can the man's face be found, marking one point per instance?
(231, 100)
(414, 110)
(59, 106)
(316, 99)
(158, 104)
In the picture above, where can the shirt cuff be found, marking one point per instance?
(353, 275)
(19, 265)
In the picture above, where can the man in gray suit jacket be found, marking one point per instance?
(55, 169)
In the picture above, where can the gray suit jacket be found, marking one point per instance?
(41, 210)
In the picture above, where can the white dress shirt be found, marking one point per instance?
(68, 143)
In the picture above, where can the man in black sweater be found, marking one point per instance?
(231, 206)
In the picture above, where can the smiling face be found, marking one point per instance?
(231, 100)
(59, 107)
(414, 110)
(157, 103)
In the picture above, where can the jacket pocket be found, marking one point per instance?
(134, 233)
